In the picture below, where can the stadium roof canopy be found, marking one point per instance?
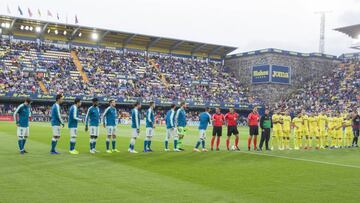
(352, 31)
(77, 34)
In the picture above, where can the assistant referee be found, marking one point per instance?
(253, 122)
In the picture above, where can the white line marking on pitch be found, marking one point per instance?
(300, 159)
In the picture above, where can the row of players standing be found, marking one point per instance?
(175, 126)
(331, 129)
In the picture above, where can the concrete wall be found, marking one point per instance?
(302, 69)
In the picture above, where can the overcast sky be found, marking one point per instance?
(248, 25)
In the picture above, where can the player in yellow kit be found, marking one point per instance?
(314, 129)
(306, 133)
(348, 131)
(331, 130)
(339, 130)
(277, 130)
(322, 124)
(297, 124)
(286, 130)
(344, 116)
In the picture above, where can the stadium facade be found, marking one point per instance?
(274, 73)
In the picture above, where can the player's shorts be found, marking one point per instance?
(298, 133)
(232, 130)
(56, 131)
(149, 132)
(181, 131)
(314, 133)
(202, 134)
(253, 130)
(348, 132)
(277, 132)
(217, 131)
(339, 133)
(111, 130)
(135, 133)
(306, 132)
(23, 132)
(73, 132)
(94, 131)
(170, 132)
(331, 133)
(322, 133)
(286, 133)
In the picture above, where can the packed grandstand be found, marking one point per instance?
(44, 68)
(114, 73)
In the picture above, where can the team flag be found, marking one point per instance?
(30, 13)
(8, 9)
(39, 13)
(76, 19)
(49, 13)
(20, 11)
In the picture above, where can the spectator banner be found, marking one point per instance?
(122, 100)
(280, 74)
(260, 74)
(6, 118)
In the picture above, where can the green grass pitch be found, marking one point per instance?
(277, 176)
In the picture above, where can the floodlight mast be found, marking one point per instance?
(322, 30)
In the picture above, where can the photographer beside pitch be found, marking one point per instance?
(266, 125)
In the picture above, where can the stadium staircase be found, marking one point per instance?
(163, 79)
(43, 88)
(79, 67)
(349, 70)
(161, 75)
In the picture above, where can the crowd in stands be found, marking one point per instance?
(339, 90)
(12, 78)
(24, 65)
(303, 70)
(132, 74)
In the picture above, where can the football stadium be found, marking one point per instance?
(91, 114)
